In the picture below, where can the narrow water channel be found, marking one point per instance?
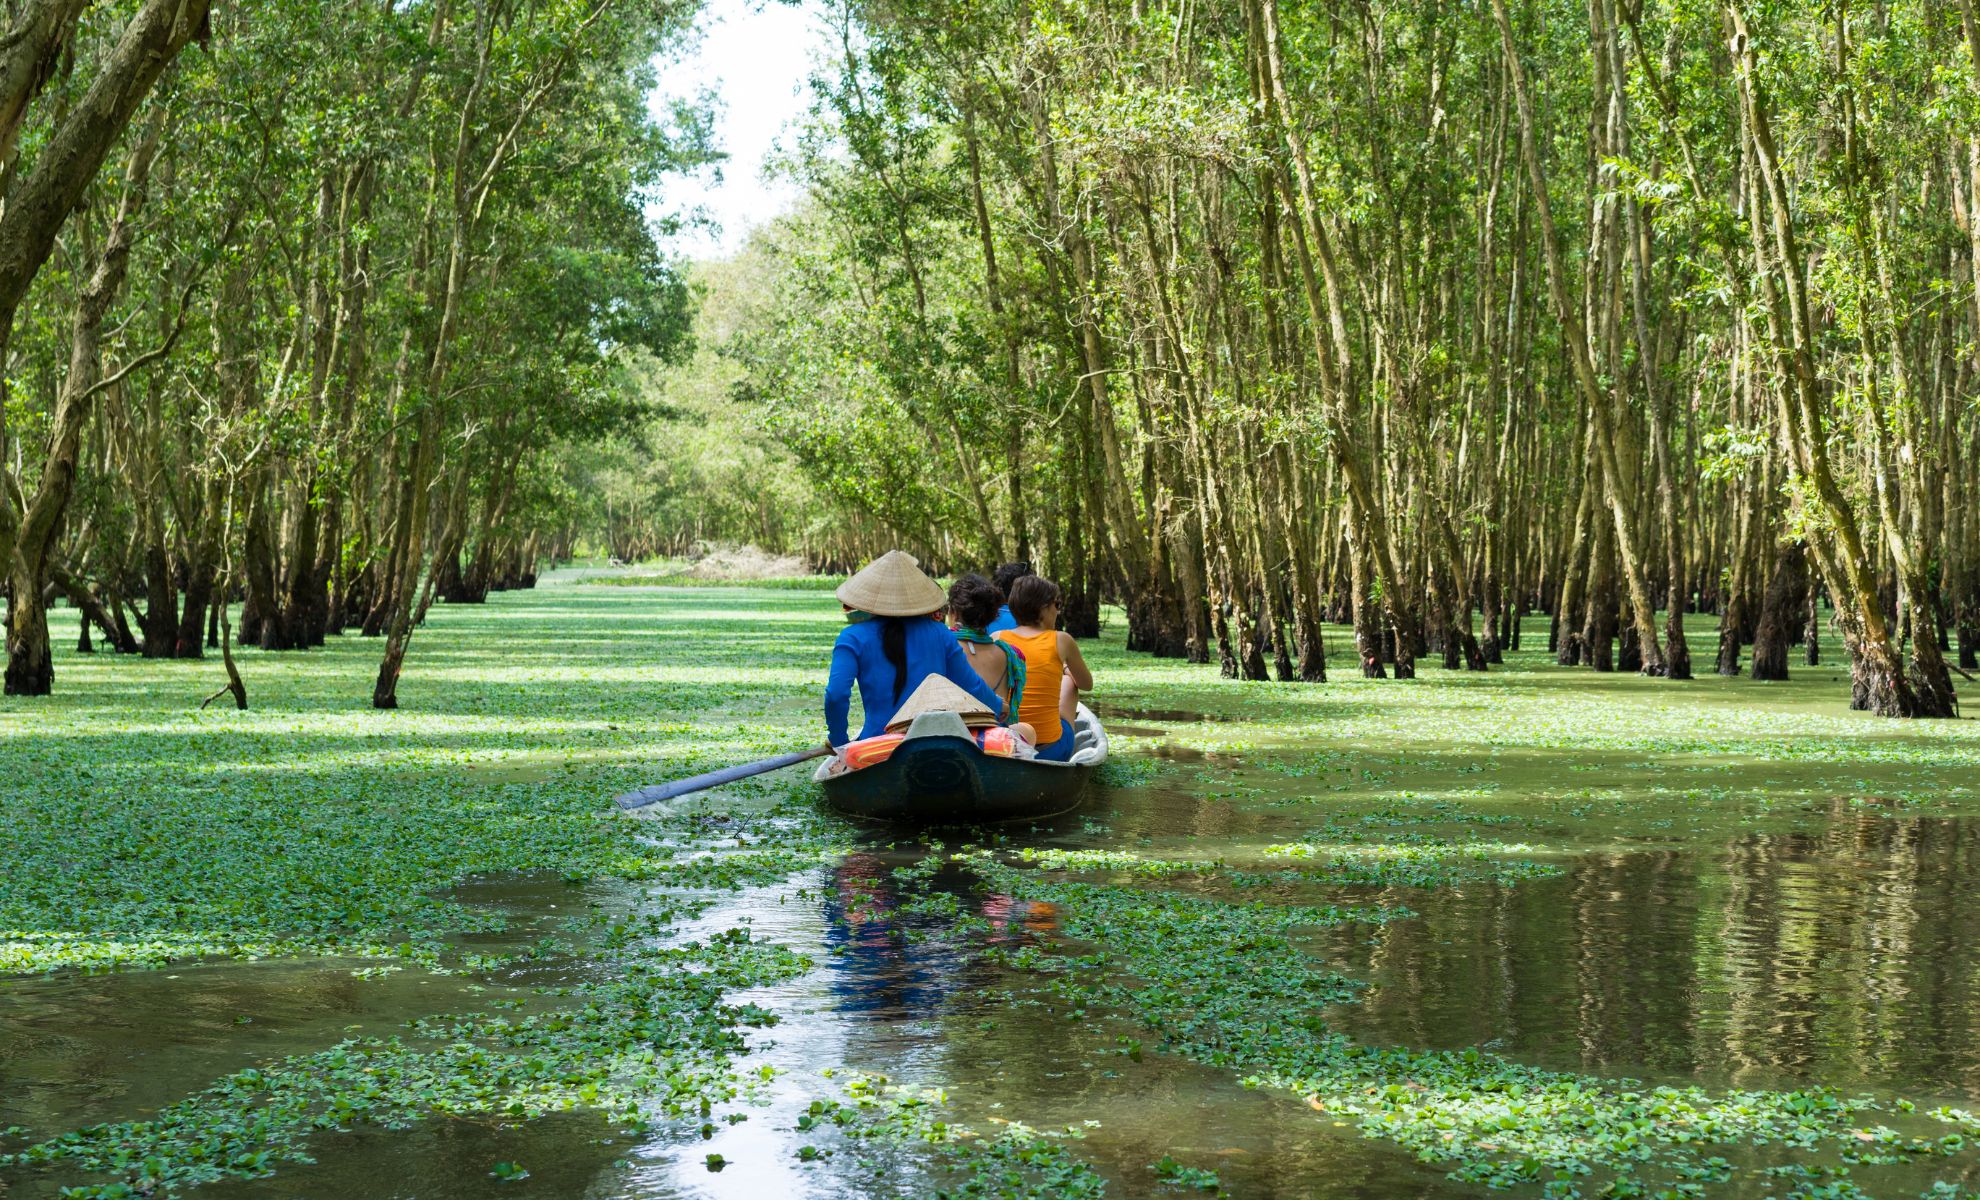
(1829, 944)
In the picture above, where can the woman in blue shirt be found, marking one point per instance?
(891, 644)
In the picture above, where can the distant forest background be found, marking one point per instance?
(1421, 318)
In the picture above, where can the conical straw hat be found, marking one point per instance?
(937, 694)
(893, 586)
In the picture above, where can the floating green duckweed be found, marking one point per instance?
(1414, 861)
(654, 1042)
(1182, 911)
(1014, 1163)
(1230, 985)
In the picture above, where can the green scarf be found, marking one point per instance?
(1014, 673)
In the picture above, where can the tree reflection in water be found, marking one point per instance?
(1844, 955)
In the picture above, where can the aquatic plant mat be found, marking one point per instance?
(1535, 930)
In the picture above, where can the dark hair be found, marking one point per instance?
(1030, 595)
(1009, 574)
(973, 601)
(893, 644)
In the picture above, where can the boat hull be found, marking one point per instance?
(939, 777)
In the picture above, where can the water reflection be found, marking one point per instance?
(81, 1048)
(1840, 954)
(569, 1155)
(901, 990)
(905, 991)
(1843, 955)
(892, 953)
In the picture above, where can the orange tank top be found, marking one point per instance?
(1042, 669)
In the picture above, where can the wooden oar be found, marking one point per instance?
(655, 793)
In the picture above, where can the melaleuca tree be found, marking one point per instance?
(388, 258)
(1419, 317)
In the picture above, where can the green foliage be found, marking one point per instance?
(699, 465)
(379, 244)
(1015, 1163)
(1175, 1174)
(1226, 985)
(1193, 304)
(305, 827)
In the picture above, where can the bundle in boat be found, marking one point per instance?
(936, 694)
(931, 769)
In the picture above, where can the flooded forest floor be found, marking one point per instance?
(1537, 930)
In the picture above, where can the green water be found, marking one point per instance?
(1738, 886)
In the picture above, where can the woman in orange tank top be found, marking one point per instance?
(1054, 670)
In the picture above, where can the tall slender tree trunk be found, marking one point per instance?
(30, 658)
(1574, 333)
(1878, 676)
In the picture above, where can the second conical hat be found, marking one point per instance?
(937, 694)
(893, 586)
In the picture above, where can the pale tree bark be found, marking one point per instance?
(471, 181)
(30, 665)
(42, 31)
(1575, 334)
(38, 206)
(1340, 399)
(1897, 471)
(1838, 545)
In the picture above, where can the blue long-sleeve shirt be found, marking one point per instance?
(1004, 620)
(857, 657)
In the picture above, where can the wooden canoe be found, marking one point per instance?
(938, 776)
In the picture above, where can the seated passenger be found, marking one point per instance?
(890, 644)
(1054, 670)
(973, 605)
(1002, 578)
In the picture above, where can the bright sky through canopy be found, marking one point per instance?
(755, 56)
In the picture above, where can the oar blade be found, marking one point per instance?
(655, 793)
